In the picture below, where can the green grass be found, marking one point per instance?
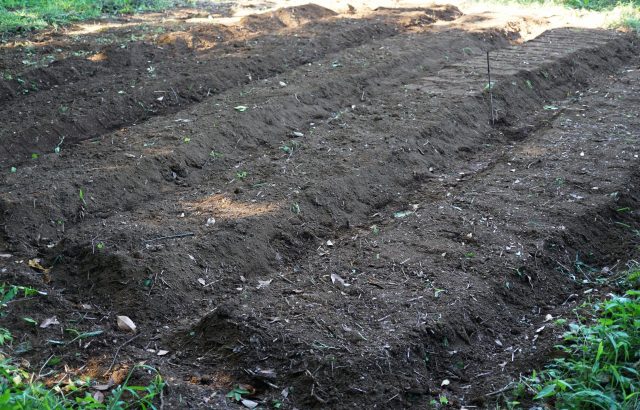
(25, 15)
(599, 367)
(21, 390)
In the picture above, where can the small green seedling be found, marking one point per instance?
(241, 175)
(100, 245)
(5, 336)
(58, 147)
(14, 170)
(35, 156)
(237, 393)
(375, 230)
(30, 321)
(81, 196)
(290, 147)
(402, 214)
(215, 154)
(295, 208)
(489, 86)
(186, 140)
(528, 83)
(240, 108)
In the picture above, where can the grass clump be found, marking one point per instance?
(600, 363)
(20, 389)
(25, 15)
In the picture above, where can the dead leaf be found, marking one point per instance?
(336, 278)
(35, 264)
(102, 387)
(98, 396)
(124, 323)
(162, 352)
(202, 281)
(49, 321)
(250, 404)
(264, 283)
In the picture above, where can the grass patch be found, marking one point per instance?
(599, 367)
(25, 15)
(20, 389)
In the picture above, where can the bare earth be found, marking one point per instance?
(314, 203)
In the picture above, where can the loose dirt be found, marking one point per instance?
(316, 204)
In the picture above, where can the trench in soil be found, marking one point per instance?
(309, 269)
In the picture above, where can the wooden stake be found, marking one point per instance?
(492, 117)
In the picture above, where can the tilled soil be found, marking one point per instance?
(321, 206)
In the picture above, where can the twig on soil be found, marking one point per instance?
(165, 283)
(502, 390)
(161, 238)
(155, 279)
(286, 280)
(392, 398)
(43, 366)
(115, 356)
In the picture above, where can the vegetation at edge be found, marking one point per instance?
(25, 15)
(22, 390)
(599, 363)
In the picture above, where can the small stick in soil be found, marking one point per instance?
(155, 279)
(42, 368)
(115, 356)
(161, 238)
(502, 390)
(490, 89)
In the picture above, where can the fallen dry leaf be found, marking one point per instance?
(124, 323)
(250, 404)
(35, 264)
(336, 278)
(49, 321)
(98, 396)
(102, 387)
(263, 283)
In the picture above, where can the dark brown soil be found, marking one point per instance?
(318, 203)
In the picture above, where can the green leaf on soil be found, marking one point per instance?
(402, 214)
(548, 391)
